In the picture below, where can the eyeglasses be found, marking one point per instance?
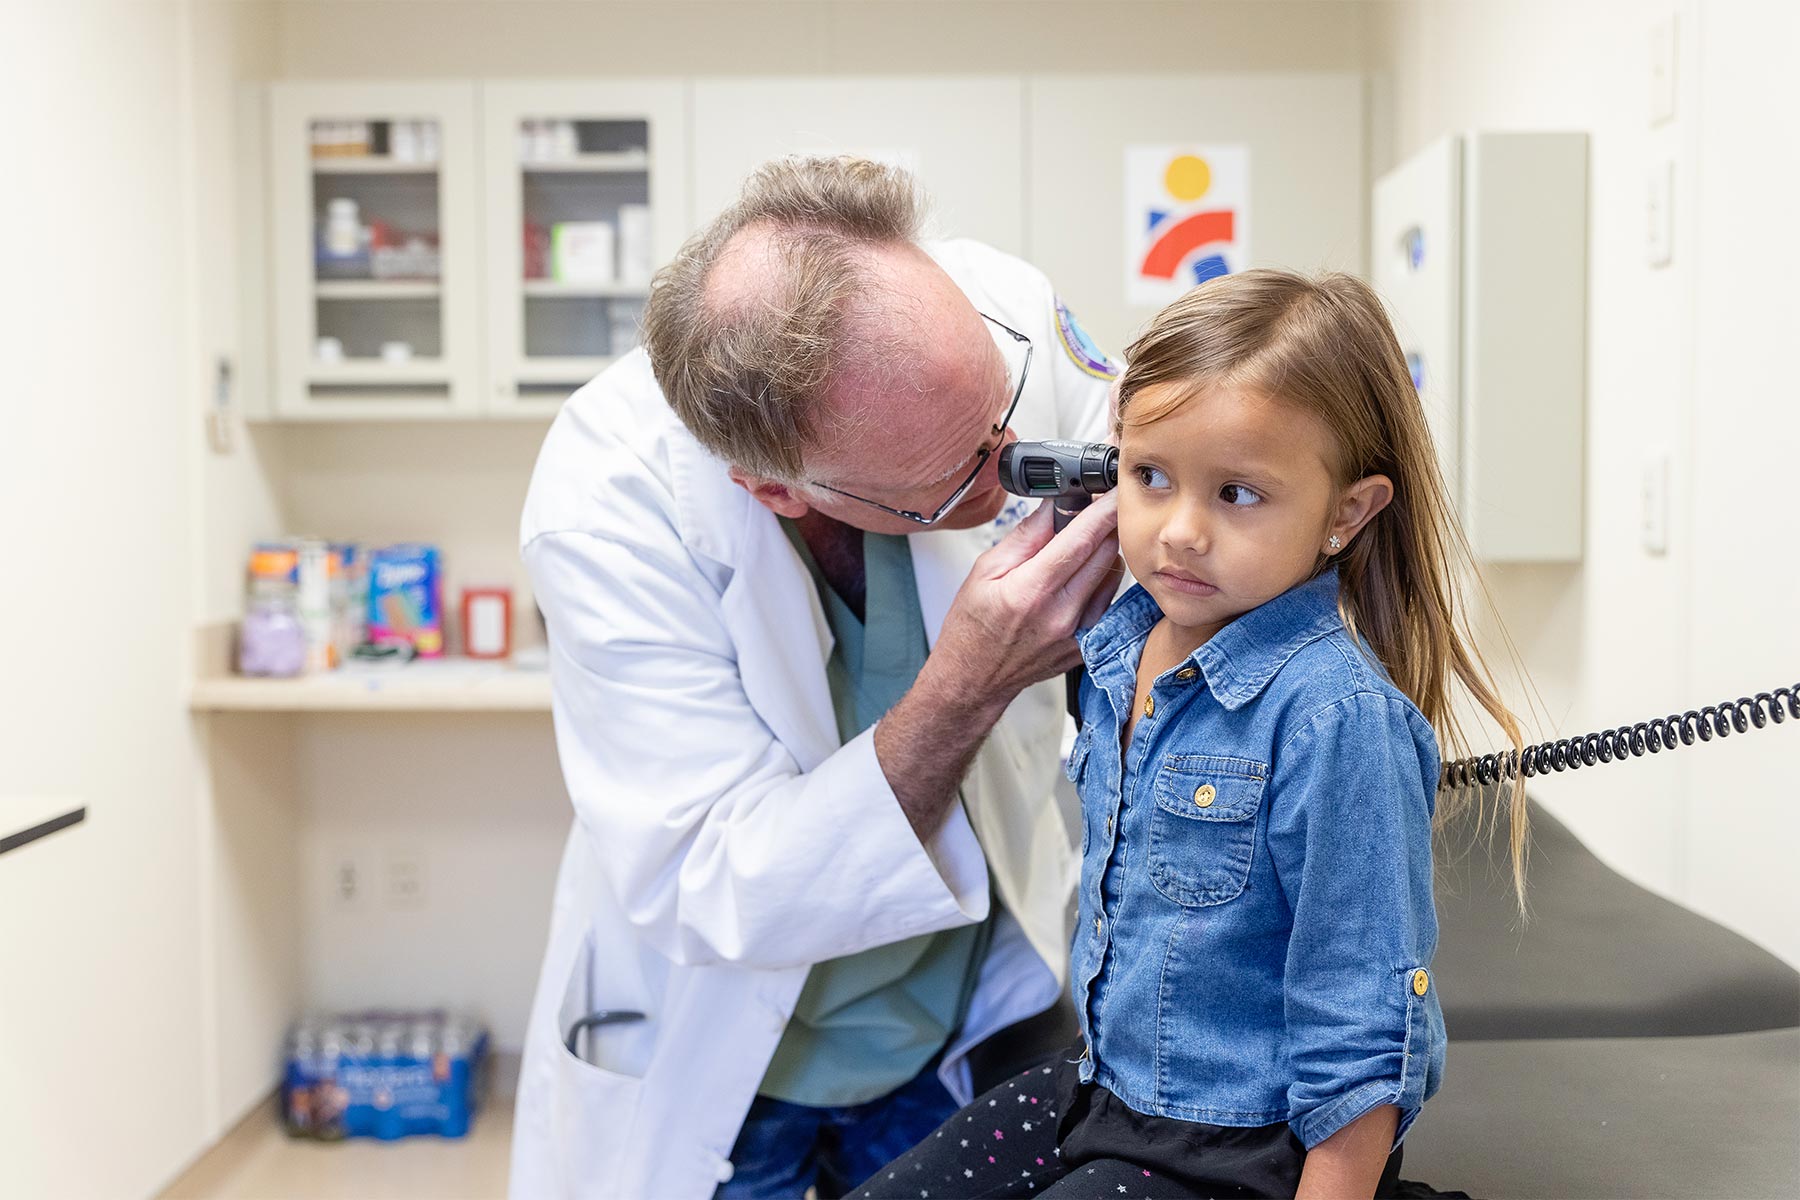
(996, 433)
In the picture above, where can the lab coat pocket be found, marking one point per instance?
(1203, 830)
(595, 1099)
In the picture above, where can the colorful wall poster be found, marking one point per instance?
(1187, 218)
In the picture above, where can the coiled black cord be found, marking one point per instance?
(1646, 737)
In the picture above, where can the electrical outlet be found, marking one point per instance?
(348, 882)
(405, 879)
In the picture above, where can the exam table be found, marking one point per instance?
(1619, 1046)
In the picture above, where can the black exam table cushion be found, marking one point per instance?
(1582, 1119)
(1600, 956)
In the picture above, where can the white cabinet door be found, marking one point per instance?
(1415, 263)
(585, 194)
(1307, 189)
(960, 135)
(375, 263)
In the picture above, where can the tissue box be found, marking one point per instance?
(406, 603)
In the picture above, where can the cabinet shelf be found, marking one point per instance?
(371, 164)
(576, 289)
(378, 289)
(433, 685)
(373, 372)
(625, 162)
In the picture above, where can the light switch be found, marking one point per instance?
(1662, 70)
(1655, 516)
(1659, 213)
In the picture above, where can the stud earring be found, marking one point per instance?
(1336, 543)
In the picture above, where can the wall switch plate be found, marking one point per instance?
(1655, 516)
(220, 416)
(1662, 70)
(405, 879)
(1659, 214)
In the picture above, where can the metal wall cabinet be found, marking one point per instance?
(574, 156)
(1480, 250)
(376, 312)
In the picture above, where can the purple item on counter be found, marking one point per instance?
(272, 642)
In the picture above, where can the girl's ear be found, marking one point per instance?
(1356, 508)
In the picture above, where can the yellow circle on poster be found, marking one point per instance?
(1188, 177)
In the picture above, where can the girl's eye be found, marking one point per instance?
(1151, 477)
(1239, 495)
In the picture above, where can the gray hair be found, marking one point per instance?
(749, 377)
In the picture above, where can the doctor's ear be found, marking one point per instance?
(782, 499)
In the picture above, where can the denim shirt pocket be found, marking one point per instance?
(1074, 769)
(1078, 753)
(1203, 829)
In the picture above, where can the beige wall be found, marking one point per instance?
(1687, 360)
(403, 38)
(99, 1010)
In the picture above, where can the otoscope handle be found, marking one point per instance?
(1065, 508)
(1069, 475)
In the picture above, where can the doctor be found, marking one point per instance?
(805, 654)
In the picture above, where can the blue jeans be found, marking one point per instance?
(784, 1148)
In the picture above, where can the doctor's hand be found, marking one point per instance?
(1012, 624)
(1014, 621)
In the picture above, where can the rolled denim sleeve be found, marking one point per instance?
(1349, 836)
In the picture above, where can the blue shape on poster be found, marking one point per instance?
(1210, 267)
(1415, 363)
(1157, 217)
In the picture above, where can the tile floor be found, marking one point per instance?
(257, 1161)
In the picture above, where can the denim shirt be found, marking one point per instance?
(1256, 919)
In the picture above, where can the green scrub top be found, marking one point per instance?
(867, 1023)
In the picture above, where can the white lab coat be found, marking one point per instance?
(724, 839)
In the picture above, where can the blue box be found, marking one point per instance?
(383, 1074)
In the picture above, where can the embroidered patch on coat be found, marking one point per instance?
(1082, 349)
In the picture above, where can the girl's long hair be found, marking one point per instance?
(1325, 345)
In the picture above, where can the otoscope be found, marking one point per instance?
(1070, 474)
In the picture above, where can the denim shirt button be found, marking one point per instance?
(1187, 673)
(1096, 926)
(1421, 981)
(1149, 706)
(1204, 795)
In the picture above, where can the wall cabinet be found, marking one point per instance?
(607, 162)
(453, 250)
(1480, 250)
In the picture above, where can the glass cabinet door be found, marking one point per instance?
(585, 198)
(375, 261)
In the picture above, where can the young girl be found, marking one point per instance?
(1258, 774)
